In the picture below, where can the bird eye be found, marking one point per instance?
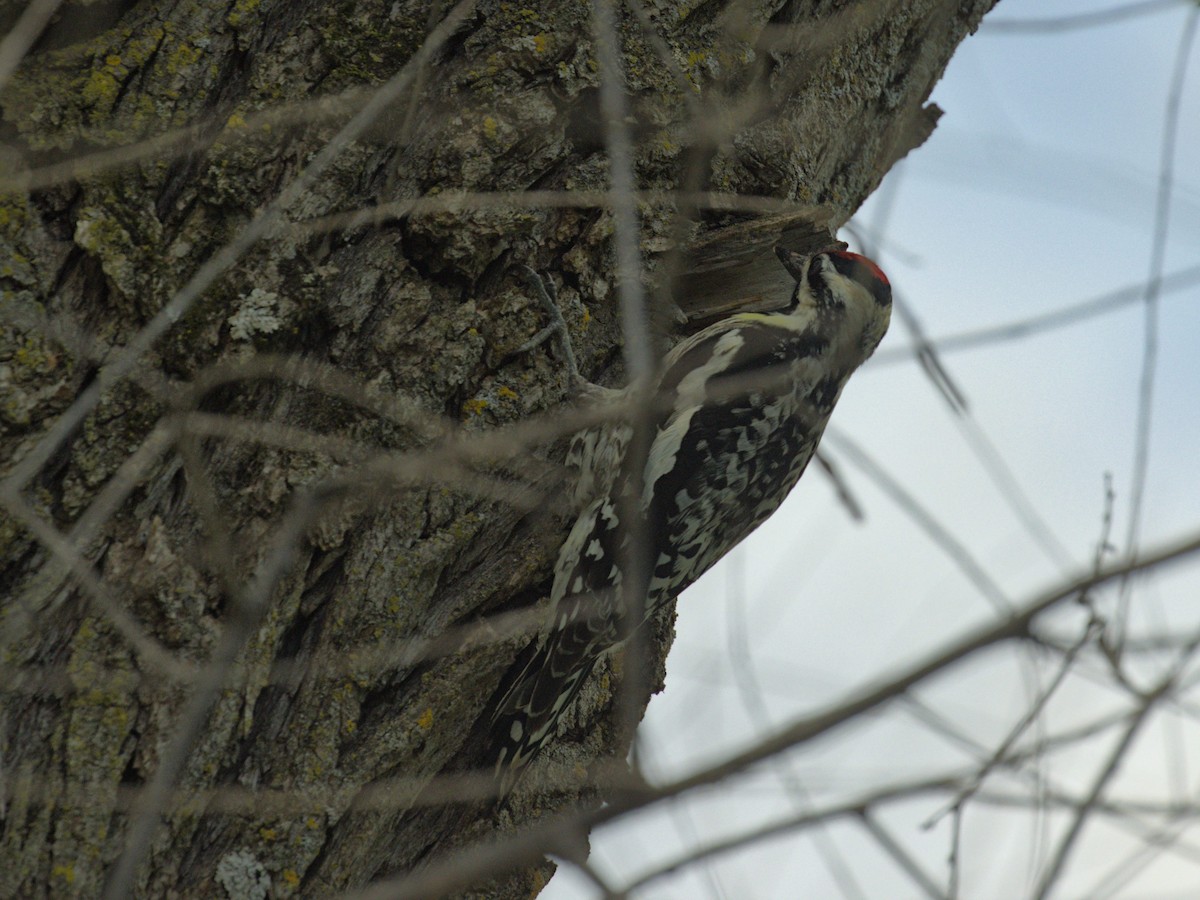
(863, 271)
(844, 263)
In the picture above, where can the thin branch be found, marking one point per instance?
(1115, 757)
(954, 858)
(923, 350)
(750, 689)
(871, 697)
(687, 90)
(465, 868)
(259, 227)
(247, 609)
(1059, 24)
(841, 486)
(640, 363)
(597, 880)
(24, 34)
(1158, 250)
(993, 463)
(245, 614)
(901, 856)
(189, 138)
(149, 650)
(685, 827)
(397, 469)
(1063, 317)
(466, 202)
(1110, 883)
(70, 552)
(925, 520)
(1001, 753)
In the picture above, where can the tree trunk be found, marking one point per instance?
(245, 483)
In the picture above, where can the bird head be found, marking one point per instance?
(837, 282)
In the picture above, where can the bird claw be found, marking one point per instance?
(547, 296)
(538, 339)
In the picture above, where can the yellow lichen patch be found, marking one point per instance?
(100, 89)
(13, 218)
(181, 56)
(241, 9)
(32, 355)
(490, 128)
(475, 406)
(540, 42)
(290, 878)
(506, 393)
(64, 872)
(425, 720)
(267, 834)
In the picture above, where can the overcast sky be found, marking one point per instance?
(1038, 190)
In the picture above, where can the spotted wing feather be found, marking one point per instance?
(727, 448)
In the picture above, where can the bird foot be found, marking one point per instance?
(547, 296)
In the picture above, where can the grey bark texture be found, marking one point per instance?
(323, 383)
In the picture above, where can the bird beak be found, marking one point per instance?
(795, 263)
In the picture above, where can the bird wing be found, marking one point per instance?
(735, 443)
(735, 429)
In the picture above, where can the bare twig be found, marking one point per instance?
(939, 534)
(1090, 19)
(464, 869)
(23, 35)
(246, 612)
(639, 354)
(901, 856)
(262, 224)
(1105, 775)
(1158, 250)
(1064, 317)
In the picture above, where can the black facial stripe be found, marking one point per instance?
(816, 282)
(851, 268)
(882, 293)
(846, 265)
(880, 290)
(795, 301)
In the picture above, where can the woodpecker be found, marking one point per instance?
(736, 413)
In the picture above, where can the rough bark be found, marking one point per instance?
(283, 790)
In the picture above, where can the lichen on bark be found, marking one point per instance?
(427, 309)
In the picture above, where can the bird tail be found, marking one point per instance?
(527, 716)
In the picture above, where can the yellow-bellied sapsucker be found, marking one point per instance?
(735, 416)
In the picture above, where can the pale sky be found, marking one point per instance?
(1037, 191)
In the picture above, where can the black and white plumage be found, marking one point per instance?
(738, 410)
